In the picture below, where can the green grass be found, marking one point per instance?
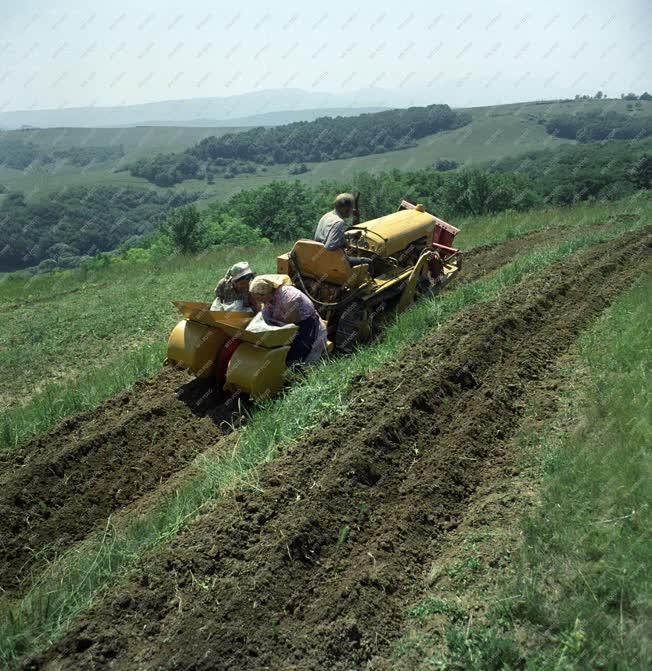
(137, 141)
(73, 336)
(431, 606)
(495, 132)
(581, 598)
(37, 184)
(76, 339)
(493, 228)
(73, 581)
(92, 387)
(587, 576)
(486, 138)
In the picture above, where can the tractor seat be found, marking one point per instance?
(315, 261)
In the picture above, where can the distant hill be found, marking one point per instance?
(324, 139)
(495, 132)
(270, 118)
(271, 107)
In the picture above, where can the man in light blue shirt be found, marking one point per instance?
(331, 227)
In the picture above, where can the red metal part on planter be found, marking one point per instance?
(225, 356)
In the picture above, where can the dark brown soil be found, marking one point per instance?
(58, 487)
(315, 569)
(61, 486)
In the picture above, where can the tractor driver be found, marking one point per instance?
(331, 227)
(234, 286)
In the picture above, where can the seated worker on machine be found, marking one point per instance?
(232, 291)
(331, 227)
(287, 305)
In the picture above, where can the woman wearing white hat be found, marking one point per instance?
(234, 286)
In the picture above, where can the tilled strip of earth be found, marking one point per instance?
(61, 486)
(315, 569)
(71, 479)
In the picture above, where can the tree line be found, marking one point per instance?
(324, 139)
(73, 223)
(571, 173)
(285, 210)
(597, 125)
(60, 228)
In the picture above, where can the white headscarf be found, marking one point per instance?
(266, 284)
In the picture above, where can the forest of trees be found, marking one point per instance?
(324, 139)
(170, 169)
(572, 173)
(597, 125)
(285, 210)
(21, 154)
(60, 228)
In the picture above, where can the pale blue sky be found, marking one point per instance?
(79, 53)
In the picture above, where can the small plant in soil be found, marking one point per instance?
(434, 606)
(342, 537)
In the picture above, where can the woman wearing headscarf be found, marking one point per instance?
(285, 304)
(234, 286)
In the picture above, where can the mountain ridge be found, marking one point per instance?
(199, 111)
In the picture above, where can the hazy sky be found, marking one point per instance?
(81, 53)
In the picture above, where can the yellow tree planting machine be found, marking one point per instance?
(407, 254)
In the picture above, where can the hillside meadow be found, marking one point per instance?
(77, 337)
(495, 132)
(581, 244)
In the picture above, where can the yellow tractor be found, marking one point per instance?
(407, 254)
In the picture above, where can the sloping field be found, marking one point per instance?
(315, 566)
(137, 141)
(494, 132)
(57, 488)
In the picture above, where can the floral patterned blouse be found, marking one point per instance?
(289, 306)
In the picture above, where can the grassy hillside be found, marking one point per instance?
(559, 578)
(536, 281)
(487, 137)
(91, 333)
(517, 476)
(137, 141)
(495, 132)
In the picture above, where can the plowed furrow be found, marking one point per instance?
(316, 571)
(62, 485)
(70, 482)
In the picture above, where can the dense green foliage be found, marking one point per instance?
(169, 169)
(568, 174)
(599, 125)
(324, 139)
(59, 228)
(183, 227)
(84, 156)
(77, 222)
(21, 154)
(445, 164)
(560, 176)
(285, 210)
(330, 138)
(16, 154)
